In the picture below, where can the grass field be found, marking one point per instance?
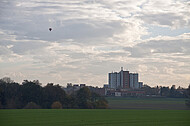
(96, 117)
(147, 103)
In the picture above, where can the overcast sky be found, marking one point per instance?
(91, 38)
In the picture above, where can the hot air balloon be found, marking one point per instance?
(50, 29)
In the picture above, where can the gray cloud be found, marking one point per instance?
(91, 38)
(152, 47)
(4, 50)
(24, 47)
(166, 13)
(166, 19)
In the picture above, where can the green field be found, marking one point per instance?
(96, 117)
(146, 103)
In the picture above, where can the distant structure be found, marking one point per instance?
(72, 88)
(121, 84)
(124, 80)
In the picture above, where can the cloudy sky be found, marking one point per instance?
(93, 37)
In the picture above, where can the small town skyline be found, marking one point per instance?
(103, 84)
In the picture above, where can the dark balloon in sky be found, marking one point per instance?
(50, 29)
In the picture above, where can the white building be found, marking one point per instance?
(131, 80)
(124, 79)
(118, 94)
(113, 80)
(118, 80)
(135, 80)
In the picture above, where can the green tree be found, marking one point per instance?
(188, 95)
(98, 101)
(30, 94)
(88, 99)
(10, 94)
(53, 93)
(7, 80)
(71, 101)
(2, 93)
(83, 98)
(31, 91)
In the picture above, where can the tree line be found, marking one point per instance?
(163, 91)
(31, 94)
(188, 94)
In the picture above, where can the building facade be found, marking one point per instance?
(113, 80)
(124, 79)
(136, 80)
(131, 80)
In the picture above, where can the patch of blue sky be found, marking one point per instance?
(155, 31)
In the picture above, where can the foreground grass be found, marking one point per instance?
(81, 117)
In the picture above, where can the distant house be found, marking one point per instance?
(124, 92)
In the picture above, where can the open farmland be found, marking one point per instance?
(146, 103)
(81, 117)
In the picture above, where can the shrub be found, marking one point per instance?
(32, 105)
(56, 105)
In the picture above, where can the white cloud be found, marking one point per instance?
(93, 37)
(170, 13)
(171, 45)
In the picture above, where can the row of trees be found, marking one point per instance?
(30, 94)
(166, 91)
(188, 94)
